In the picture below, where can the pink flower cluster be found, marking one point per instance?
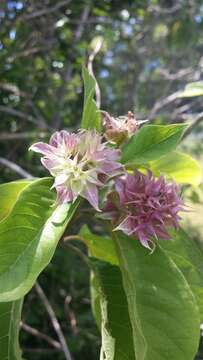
(141, 206)
(80, 163)
(145, 206)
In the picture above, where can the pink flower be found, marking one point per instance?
(144, 207)
(80, 163)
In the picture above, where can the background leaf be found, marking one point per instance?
(91, 118)
(162, 308)
(178, 166)
(10, 315)
(100, 247)
(117, 341)
(29, 236)
(151, 142)
(192, 89)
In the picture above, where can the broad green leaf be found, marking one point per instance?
(9, 193)
(117, 340)
(10, 315)
(188, 256)
(192, 89)
(29, 236)
(162, 307)
(100, 247)
(151, 142)
(178, 166)
(91, 118)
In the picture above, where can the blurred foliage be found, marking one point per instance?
(151, 50)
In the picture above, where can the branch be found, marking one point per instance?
(40, 335)
(23, 135)
(46, 11)
(54, 321)
(16, 168)
(161, 103)
(197, 119)
(20, 114)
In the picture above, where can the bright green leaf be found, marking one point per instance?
(162, 308)
(191, 90)
(9, 193)
(100, 247)
(29, 236)
(151, 142)
(10, 315)
(91, 118)
(117, 340)
(178, 166)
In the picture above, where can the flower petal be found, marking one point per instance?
(42, 148)
(91, 194)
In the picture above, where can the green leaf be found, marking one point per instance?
(10, 315)
(191, 90)
(178, 166)
(9, 193)
(162, 308)
(29, 236)
(91, 118)
(151, 142)
(117, 340)
(100, 247)
(188, 256)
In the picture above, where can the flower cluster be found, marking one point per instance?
(80, 163)
(140, 205)
(145, 206)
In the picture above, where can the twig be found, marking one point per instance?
(161, 103)
(20, 114)
(196, 121)
(78, 252)
(18, 169)
(70, 314)
(73, 237)
(23, 135)
(46, 11)
(54, 321)
(29, 329)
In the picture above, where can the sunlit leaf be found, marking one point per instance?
(151, 142)
(29, 236)
(178, 166)
(192, 89)
(9, 193)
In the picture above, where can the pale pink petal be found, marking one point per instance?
(91, 194)
(64, 195)
(49, 163)
(42, 148)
